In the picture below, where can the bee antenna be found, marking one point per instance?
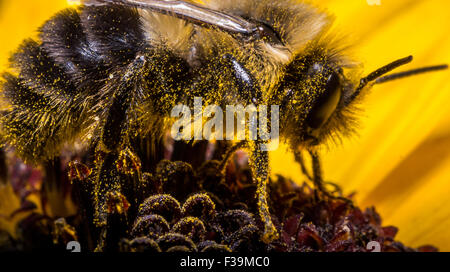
(379, 73)
(409, 73)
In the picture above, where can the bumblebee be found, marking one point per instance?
(111, 70)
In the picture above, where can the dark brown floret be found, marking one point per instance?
(191, 227)
(199, 205)
(164, 205)
(173, 239)
(152, 226)
(140, 244)
(220, 218)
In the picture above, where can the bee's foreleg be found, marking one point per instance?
(301, 161)
(317, 174)
(318, 179)
(259, 163)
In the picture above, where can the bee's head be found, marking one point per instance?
(316, 98)
(312, 91)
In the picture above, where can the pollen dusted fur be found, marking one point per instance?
(107, 74)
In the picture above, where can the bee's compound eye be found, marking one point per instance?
(326, 104)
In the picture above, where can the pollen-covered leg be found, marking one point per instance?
(124, 90)
(117, 224)
(108, 180)
(259, 163)
(114, 133)
(300, 160)
(110, 204)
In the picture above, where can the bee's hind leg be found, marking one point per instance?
(259, 163)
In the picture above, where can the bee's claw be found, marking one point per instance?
(331, 196)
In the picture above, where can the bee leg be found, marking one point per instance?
(111, 206)
(116, 172)
(337, 188)
(109, 180)
(318, 180)
(300, 160)
(111, 147)
(259, 163)
(229, 153)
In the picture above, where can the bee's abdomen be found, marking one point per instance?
(92, 42)
(115, 31)
(85, 77)
(30, 123)
(61, 78)
(66, 42)
(42, 113)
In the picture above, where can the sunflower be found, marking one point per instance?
(399, 162)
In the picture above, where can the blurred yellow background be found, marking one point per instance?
(400, 162)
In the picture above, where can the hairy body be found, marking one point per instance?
(112, 70)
